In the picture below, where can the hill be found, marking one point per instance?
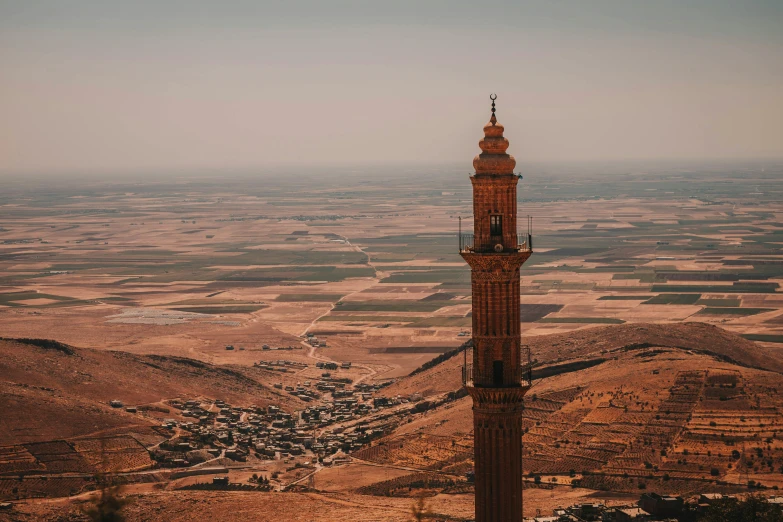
(679, 409)
(698, 337)
(51, 390)
(557, 353)
(669, 408)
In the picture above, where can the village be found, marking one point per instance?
(343, 418)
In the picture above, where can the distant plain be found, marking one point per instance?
(368, 259)
(144, 276)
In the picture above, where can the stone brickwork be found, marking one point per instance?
(494, 195)
(497, 385)
(497, 425)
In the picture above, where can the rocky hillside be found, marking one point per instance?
(557, 353)
(50, 390)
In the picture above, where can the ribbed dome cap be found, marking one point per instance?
(493, 158)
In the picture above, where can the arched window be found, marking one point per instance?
(495, 225)
(497, 373)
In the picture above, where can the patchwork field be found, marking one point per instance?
(652, 307)
(370, 264)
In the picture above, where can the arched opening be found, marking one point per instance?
(497, 373)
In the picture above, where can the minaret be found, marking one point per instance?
(498, 376)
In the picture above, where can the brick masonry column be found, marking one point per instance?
(497, 386)
(497, 438)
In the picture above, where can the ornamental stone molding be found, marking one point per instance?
(495, 267)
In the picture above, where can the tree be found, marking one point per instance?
(421, 511)
(752, 507)
(107, 507)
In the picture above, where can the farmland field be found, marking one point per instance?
(184, 267)
(167, 290)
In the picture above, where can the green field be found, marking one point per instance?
(581, 320)
(216, 310)
(767, 338)
(624, 297)
(297, 273)
(309, 298)
(348, 318)
(392, 305)
(429, 276)
(12, 299)
(734, 311)
(297, 258)
(736, 288)
(529, 313)
(430, 322)
(721, 303)
(674, 299)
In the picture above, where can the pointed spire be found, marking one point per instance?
(493, 158)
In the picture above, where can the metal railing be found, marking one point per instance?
(467, 374)
(525, 368)
(524, 241)
(467, 243)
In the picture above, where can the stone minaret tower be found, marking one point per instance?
(498, 376)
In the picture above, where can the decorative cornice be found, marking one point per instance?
(480, 181)
(495, 267)
(498, 400)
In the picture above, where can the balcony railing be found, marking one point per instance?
(525, 374)
(525, 369)
(524, 243)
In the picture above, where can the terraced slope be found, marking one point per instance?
(563, 353)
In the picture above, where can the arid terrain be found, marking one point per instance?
(304, 335)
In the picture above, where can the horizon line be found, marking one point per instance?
(257, 169)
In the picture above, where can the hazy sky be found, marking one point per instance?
(110, 86)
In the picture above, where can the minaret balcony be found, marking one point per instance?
(523, 375)
(524, 381)
(467, 245)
